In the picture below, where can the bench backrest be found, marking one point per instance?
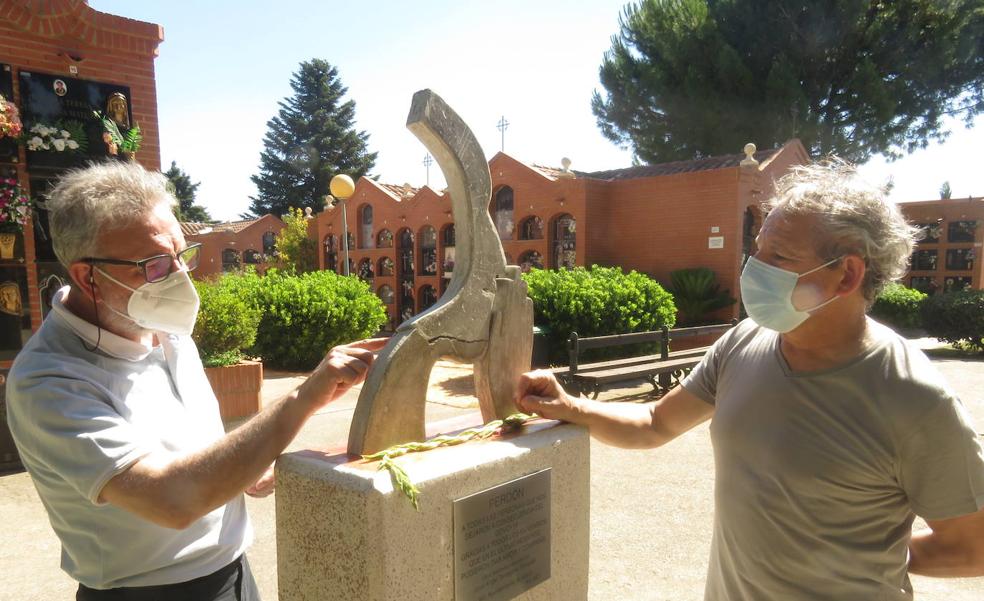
(663, 336)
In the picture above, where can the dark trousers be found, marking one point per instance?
(234, 582)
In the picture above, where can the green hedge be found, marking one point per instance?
(596, 302)
(303, 316)
(899, 307)
(957, 318)
(226, 323)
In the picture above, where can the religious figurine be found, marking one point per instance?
(10, 298)
(7, 242)
(120, 138)
(116, 110)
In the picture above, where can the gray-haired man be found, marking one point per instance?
(830, 433)
(114, 418)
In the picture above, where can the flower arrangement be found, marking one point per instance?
(15, 204)
(10, 123)
(68, 136)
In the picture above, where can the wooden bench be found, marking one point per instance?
(663, 370)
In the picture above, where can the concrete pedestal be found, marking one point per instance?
(344, 533)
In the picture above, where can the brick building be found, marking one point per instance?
(230, 246)
(653, 219)
(60, 61)
(946, 258)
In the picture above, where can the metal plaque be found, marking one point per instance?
(502, 539)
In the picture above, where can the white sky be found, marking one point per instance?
(224, 66)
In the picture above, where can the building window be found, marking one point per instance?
(956, 284)
(930, 232)
(530, 259)
(365, 270)
(924, 283)
(365, 227)
(960, 259)
(448, 234)
(404, 266)
(384, 239)
(385, 294)
(331, 252)
(565, 242)
(428, 251)
(502, 212)
(351, 241)
(961, 231)
(428, 296)
(386, 267)
(269, 243)
(924, 260)
(531, 229)
(230, 259)
(252, 257)
(351, 266)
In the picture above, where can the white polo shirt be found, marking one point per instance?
(79, 417)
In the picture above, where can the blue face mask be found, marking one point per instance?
(767, 293)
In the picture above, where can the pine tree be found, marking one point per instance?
(312, 139)
(691, 78)
(179, 183)
(945, 192)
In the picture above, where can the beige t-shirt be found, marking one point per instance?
(819, 475)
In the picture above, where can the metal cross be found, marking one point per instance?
(502, 126)
(428, 161)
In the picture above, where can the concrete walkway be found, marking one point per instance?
(651, 511)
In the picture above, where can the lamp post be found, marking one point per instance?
(342, 187)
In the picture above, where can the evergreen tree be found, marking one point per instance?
(691, 78)
(312, 139)
(179, 183)
(945, 192)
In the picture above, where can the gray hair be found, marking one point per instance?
(97, 198)
(854, 217)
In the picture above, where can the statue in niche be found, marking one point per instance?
(120, 137)
(10, 299)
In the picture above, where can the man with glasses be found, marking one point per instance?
(114, 418)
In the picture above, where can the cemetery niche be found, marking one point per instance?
(501, 516)
(69, 121)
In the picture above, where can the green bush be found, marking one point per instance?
(226, 324)
(303, 316)
(596, 302)
(696, 294)
(898, 307)
(957, 318)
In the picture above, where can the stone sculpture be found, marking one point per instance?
(484, 318)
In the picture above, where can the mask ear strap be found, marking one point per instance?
(95, 309)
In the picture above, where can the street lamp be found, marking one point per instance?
(342, 187)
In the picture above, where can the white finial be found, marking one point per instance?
(565, 171)
(749, 155)
(308, 213)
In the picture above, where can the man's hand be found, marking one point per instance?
(342, 368)
(539, 392)
(264, 485)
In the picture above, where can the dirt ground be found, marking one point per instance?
(651, 511)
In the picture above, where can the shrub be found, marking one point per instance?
(696, 293)
(296, 251)
(957, 318)
(304, 316)
(226, 324)
(596, 302)
(898, 306)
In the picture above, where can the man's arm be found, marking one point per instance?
(626, 425)
(949, 548)
(174, 491)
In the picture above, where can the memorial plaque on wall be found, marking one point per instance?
(64, 105)
(502, 539)
(15, 315)
(8, 148)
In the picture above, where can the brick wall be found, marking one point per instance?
(57, 36)
(945, 212)
(218, 240)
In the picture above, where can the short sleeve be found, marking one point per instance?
(941, 467)
(65, 428)
(702, 380)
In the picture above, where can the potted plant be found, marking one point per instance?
(15, 212)
(226, 325)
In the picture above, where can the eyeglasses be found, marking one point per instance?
(158, 267)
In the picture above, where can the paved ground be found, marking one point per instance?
(651, 511)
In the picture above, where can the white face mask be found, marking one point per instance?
(170, 305)
(767, 293)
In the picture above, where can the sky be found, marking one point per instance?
(224, 66)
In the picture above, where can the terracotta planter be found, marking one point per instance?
(237, 387)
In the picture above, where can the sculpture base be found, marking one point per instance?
(344, 532)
